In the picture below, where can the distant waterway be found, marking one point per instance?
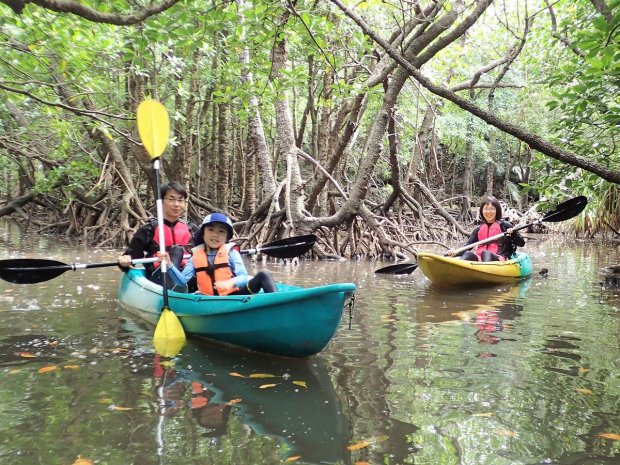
(523, 374)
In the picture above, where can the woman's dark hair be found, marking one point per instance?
(172, 186)
(493, 201)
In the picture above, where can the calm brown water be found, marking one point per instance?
(527, 374)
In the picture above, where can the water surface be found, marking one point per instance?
(524, 374)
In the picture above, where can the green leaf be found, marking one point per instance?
(601, 24)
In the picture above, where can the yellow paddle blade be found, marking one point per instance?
(169, 336)
(153, 126)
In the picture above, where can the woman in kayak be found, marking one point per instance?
(498, 250)
(217, 264)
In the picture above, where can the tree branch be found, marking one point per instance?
(534, 141)
(76, 8)
(560, 37)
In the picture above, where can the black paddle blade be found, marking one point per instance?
(31, 270)
(290, 247)
(294, 240)
(399, 268)
(566, 210)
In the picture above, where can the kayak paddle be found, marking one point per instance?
(153, 128)
(399, 268)
(285, 248)
(564, 211)
(35, 270)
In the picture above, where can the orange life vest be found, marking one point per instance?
(179, 234)
(220, 270)
(485, 231)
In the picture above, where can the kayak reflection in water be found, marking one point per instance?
(174, 393)
(291, 402)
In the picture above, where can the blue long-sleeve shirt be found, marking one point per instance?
(235, 262)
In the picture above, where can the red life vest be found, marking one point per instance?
(485, 231)
(179, 234)
(220, 270)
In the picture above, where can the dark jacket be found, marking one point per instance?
(507, 245)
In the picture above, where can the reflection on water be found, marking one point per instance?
(491, 311)
(500, 375)
(437, 307)
(293, 401)
(523, 374)
(290, 402)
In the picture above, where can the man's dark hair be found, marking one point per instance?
(172, 186)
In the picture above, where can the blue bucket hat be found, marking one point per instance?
(217, 218)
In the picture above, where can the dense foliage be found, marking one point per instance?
(283, 114)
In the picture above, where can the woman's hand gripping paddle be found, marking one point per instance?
(153, 128)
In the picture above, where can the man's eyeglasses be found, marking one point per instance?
(175, 199)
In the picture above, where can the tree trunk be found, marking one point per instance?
(286, 147)
(421, 143)
(224, 159)
(212, 158)
(257, 141)
(249, 199)
(179, 163)
(324, 130)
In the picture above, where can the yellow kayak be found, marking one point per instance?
(454, 272)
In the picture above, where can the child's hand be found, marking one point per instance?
(161, 256)
(225, 285)
(125, 261)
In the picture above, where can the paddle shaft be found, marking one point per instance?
(137, 261)
(160, 227)
(83, 266)
(72, 266)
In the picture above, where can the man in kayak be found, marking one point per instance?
(499, 250)
(217, 264)
(178, 235)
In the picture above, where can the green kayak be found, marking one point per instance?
(293, 322)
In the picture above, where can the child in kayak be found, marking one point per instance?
(217, 264)
(499, 250)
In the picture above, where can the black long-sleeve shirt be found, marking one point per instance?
(506, 245)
